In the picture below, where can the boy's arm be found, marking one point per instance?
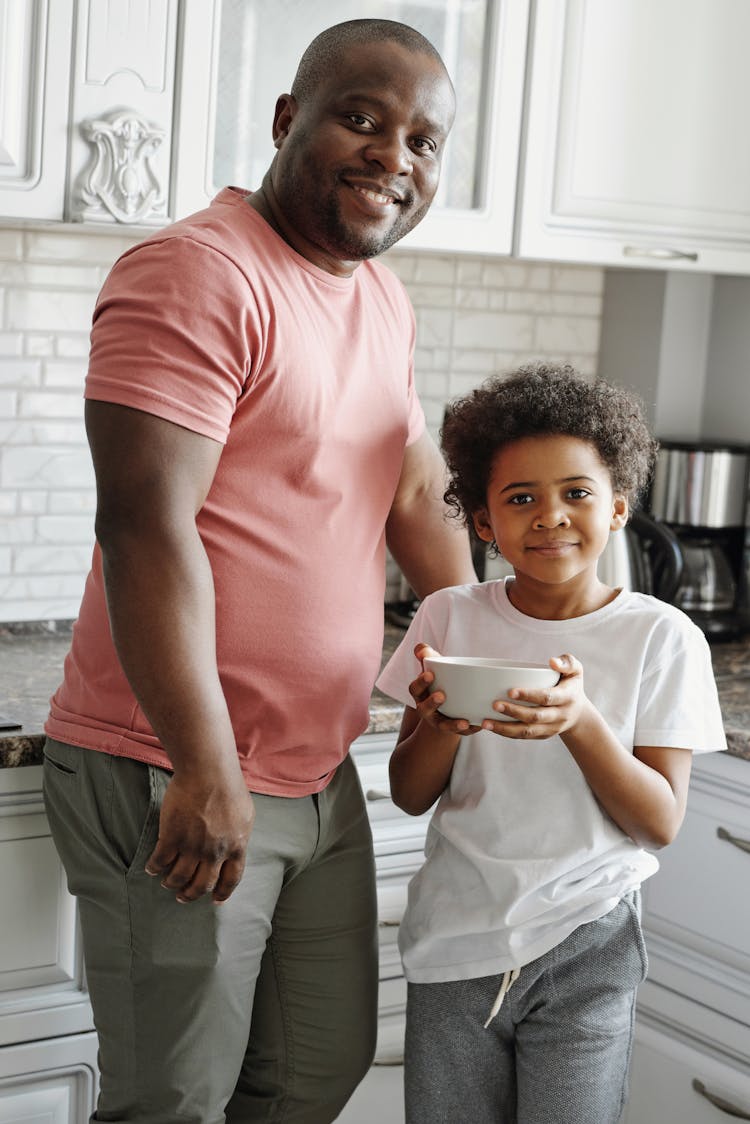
(422, 761)
(645, 792)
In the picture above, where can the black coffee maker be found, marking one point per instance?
(699, 491)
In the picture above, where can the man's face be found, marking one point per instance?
(358, 162)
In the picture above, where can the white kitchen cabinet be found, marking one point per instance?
(398, 841)
(691, 1060)
(52, 1082)
(42, 991)
(632, 149)
(47, 1045)
(672, 1082)
(237, 56)
(86, 110)
(35, 59)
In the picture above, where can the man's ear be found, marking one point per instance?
(286, 108)
(481, 521)
(620, 512)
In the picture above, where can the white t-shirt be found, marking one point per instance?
(519, 852)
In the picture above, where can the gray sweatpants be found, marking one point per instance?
(263, 1008)
(557, 1052)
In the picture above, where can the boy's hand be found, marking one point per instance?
(556, 708)
(428, 704)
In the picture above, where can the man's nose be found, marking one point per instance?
(392, 152)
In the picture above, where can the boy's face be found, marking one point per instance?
(550, 509)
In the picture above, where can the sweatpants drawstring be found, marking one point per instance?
(509, 978)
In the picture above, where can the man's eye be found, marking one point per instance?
(360, 121)
(424, 144)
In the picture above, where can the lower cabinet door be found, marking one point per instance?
(671, 1082)
(49, 1082)
(379, 1099)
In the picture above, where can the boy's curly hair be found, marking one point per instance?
(540, 400)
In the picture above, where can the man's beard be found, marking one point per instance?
(331, 232)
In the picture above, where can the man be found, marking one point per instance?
(256, 439)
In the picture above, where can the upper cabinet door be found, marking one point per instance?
(35, 51)
(237, 56)
(636, 136)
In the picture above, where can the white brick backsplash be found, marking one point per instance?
(73, 347)
(66, 374)
(475, 316)
(65, 529)
(50, 276)
(38, 404)
(49, 559)
(14, 531)
(558, 335)
(20, 372)
(72, 502)
(40, 345)
(48, 310)
(495, 330)
(34, 503)
(77, 245)
(33, 467)
(11, 343)
(8, 403)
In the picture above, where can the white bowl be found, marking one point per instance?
(471, 684)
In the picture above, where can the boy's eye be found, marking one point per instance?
(521, 498)
(579, 493)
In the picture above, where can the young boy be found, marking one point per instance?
(521, 942)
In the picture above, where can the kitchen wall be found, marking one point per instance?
(475, 316)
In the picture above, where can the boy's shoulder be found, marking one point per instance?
(661, 618)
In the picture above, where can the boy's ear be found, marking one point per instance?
(620, 512)
(481, 521)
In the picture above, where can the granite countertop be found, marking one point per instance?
(31, 659)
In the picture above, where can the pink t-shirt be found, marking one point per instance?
(307, 379)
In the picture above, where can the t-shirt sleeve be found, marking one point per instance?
(403, 667)
(678, 706)
(172, 335)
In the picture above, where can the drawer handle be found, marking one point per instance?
(377, 794)
(743, 844)
(719, 1102)
(389, 1061)
(659, 253)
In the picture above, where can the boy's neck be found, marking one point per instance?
(558, 602)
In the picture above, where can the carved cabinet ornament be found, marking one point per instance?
(121, 180)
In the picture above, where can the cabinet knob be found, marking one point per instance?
(377, 794)
(743, 844)
(724, 1106)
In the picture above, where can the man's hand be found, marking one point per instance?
(204, 828)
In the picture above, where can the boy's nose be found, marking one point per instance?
(552, 516)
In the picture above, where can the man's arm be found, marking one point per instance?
(152, 478)
(431, 550)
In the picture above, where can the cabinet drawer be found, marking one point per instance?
(671, 1082)
(53, 1081)
(696, 910)
(41, 973)
(698, 896)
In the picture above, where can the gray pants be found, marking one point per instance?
(262, 1009)
(557, 1052)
